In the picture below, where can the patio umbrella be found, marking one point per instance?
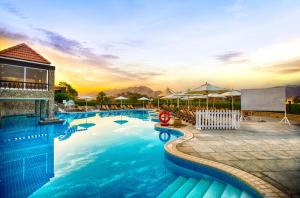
(173, 96)
(86, 98)
(206, 89)
(232, 93)
(187, 96)
(121, 98)
(166, 92)
(143, 99)
(215, 96)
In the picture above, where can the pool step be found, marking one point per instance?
(245, 195)
(199, 189)
(185, 188)
(190, 188)
(172, 188)
(231, 192)
(215, 190)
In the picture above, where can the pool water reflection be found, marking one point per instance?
(107, 154)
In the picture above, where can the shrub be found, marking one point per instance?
(59, 97)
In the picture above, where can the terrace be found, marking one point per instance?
(267, 150)
(26, 83)
(23, 78)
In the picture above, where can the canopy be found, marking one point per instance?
(121, 98)
(216, 95)
(207, 89)
(171, 96)
(166, 92)
(86, 98)
(232, 93)
(143, 98)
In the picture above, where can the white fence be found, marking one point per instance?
(217, 119)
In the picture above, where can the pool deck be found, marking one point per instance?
(268, 150)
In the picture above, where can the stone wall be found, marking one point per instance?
(8, 108)
(17, 103)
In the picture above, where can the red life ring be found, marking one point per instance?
(164, 117)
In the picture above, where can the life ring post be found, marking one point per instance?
(164, 118)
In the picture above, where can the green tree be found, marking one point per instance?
(59, 97)
(133, 97)
(101, 98)
(72, 93)
(297, 99)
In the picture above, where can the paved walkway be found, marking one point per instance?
(268, 150)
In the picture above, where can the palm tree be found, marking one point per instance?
(100, 98)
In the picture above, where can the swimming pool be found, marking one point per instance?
(106, 154)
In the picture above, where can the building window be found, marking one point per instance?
(11, 73)
(36, 75)
(14, 77)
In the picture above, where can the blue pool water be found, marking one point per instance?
(105, 154)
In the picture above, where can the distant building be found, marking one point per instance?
(60, 89)
(26, 82)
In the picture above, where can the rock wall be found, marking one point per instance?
(8, 108)
(24, 101)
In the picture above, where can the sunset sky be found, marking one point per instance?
(101, 45)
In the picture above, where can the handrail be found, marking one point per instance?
(6, 84)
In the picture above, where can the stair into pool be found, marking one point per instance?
(191, 187)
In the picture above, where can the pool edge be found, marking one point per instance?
(264, 188)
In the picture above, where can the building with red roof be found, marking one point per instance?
(26, 82)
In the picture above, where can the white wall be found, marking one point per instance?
(267, 99)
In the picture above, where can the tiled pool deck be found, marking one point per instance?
(267, 150)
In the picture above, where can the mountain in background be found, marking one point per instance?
(143, 90)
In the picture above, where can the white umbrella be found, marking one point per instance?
(189, 97)
(121, 98)
(143, 99)
(207, 89)
(232, 93)
(166, 92)
(86, 98)
(215, 95)
(173, 96)
(186, 96)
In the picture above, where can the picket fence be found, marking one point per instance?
(217, 119)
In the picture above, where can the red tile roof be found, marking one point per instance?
(23, 52)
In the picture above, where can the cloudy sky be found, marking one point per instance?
(100, 45)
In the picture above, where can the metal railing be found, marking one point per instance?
(5, 84)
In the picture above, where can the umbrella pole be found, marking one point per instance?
(158, 103)
(207, 102)
(213, 102)
(231, 102)
(85, 104)
(177, 102)
(121, 104)
(143, 104)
